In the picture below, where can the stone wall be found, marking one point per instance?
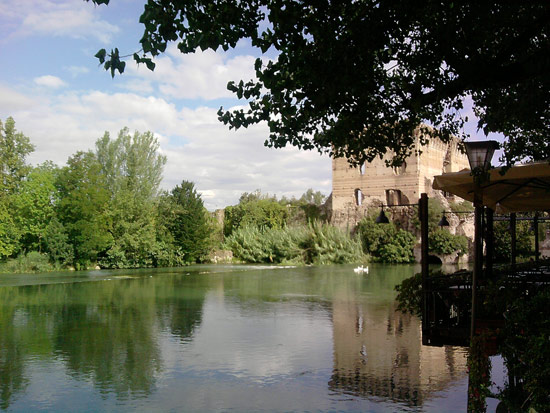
(356, 189)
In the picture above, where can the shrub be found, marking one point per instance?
(399, 249)
(312, 244)
(503, 240)
(443, 242)
(386, 242)
(33, 261)
(325, 244)
(526, 351)
(261, 213)
(464, 206)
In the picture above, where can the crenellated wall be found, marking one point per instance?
(354, 189)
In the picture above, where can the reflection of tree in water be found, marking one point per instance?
(114, 346)
(12, 379)
(180, 301)
(105, 332)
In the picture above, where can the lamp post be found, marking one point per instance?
(479, 156)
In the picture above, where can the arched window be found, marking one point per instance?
(362, 168)
(358, 197)
(393, 197)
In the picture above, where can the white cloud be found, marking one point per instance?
(49, 81)
(222, 163)
(77, 70)
(71, 18)
(200, 75)
(10, 100)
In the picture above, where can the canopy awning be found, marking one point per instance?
(522, 188)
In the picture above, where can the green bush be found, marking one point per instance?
(399, 249)
(261, 213)
(526, 352)
(441, 241)
(386, 242)
(325, 244)
(248, 244)
(503, 240)
(312, 244)
(33, 261)
(464, 206)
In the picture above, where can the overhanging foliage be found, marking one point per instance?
(355, 78)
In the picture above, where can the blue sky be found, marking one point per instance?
(51, 84)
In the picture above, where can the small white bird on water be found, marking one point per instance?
(361, 270)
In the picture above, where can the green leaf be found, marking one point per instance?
(150, 64)
(101, 55)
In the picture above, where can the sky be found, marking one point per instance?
(59, 96)
(53, 87)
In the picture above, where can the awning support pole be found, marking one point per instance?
(423, 217)
(513, 236)
(536, 228)
(478, 254)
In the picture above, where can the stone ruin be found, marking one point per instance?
(357, 191)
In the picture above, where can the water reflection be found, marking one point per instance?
(288, 339)
(378, 352)
(103, 332)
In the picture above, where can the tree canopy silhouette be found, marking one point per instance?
(356, 78)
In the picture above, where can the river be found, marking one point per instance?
(220, 338)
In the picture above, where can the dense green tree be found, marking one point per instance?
(356, 77)
(261, 213)
(386, 242)
(56, 243)
(83, 207)
(14, 149)
(441, 241)
(313, 197)
(190, 225)
(503, 240)
(131, 162)
(34, 205)
(9, 232)
(132, 167)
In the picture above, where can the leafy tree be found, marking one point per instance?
(56, 241)
(356, 77)
(9, 232)
(83, 207)
(386, 242)
(132, 168)
(261, 213)
(14, 148)
(34, 205)
(131, 162)
(190, 224)
(399, 249)
(441, 241)
(503, 240)
(313, 197)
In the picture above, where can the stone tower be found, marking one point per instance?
(354, 189)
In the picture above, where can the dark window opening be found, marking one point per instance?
(358, 197)
(394, 197)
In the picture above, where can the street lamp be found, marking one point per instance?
(382, 218)
(443, 222)
(479, 156)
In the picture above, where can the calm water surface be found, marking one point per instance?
(220, 338)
